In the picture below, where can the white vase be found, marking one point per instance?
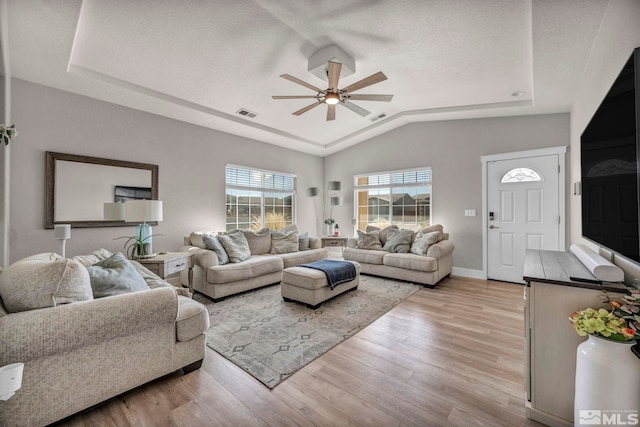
(329, 229)
(607, 381)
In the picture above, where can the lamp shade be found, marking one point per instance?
(336, 200)
(335, 185)
(142, 210)
(114, 211)
(62, 231)
(312, 191)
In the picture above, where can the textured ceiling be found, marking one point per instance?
(201, 61)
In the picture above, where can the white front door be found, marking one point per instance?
(523, 212)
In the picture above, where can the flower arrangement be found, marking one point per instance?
(7, 132)
(329, 221)
(619, 322)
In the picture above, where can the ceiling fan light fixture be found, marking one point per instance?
(331, 98)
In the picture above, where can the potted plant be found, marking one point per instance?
(607, 373)
(329, 223)
(7, 132)
(136, 247)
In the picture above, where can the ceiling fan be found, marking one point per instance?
(333, 96)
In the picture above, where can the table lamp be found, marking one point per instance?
(143, 211)
(62, 232)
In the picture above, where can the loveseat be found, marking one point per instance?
(78, 350)
(421, 257)
(269, 252)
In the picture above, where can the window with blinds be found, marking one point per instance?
(258, 198)
(402, 198)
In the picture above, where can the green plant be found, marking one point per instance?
(619, 322)
(7, 133)
(329, 221)
(134, 246)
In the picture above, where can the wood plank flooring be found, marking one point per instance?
(449, 356)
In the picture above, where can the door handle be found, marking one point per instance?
(493, 226)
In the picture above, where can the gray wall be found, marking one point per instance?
(191, 163)
(453, 150)
(618, 36)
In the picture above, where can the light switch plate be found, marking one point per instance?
(469, 212)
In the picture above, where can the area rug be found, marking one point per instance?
(271, 339)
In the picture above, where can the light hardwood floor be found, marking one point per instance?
(450, 356)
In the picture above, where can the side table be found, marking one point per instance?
(332, 241)
(171, 262)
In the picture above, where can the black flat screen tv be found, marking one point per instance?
(610, 148)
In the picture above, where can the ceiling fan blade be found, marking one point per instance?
(333, 71)
(331, 112)
(385, 98)
(355, 108)
(367, 81)
(294, 97)
(300, 82)
(307, 108)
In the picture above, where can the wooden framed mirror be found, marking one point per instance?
(76, 188)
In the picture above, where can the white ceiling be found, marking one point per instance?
(201, 61)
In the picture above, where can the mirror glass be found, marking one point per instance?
(77, 187)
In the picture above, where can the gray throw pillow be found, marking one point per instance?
(382, 233)
(398, 241)
(369, 241)
(259, 241)
(422, 241)
(114, 276)
(213, 244)
(284, 243)
(303, 242)
(236, 246)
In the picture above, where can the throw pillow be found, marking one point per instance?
(398, 241)
(213, 244)
(369, 241)
(382, 233)
(422, 241)
(289, 228)
(43, 280)
(114, 276)
(236, 246)
(259, 241)
(303, 242)
(284, 243)
(93, 258)
(430, 229)
(197, 238)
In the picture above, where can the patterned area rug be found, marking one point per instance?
(271, 339)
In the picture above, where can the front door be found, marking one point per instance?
(523, 212)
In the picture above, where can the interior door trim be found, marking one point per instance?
(561, 151)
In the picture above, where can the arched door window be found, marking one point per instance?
(520, 175)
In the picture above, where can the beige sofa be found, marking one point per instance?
(426, 269)
(261, 269)
(78, 354)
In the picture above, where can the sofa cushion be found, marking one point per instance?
(43, 280)
(411, 262)
(256, 265)
(303, 241)
(213, 244)
(193, 319)
(197, 238)
(114, 276)
(370, 241)
(364, 256)
(236, 246)
(93, 258)
(430, 229)
(303, 257)
(284, 243)
(398, 241)
(259, 241)
(382, 232)
(422, 241)
(289, 228)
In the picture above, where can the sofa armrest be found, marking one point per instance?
(315, 243)
(202, 257)
(440, 249)
(55, 330)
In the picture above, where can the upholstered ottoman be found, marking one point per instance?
(309, 286)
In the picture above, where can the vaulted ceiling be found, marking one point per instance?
(202, 61)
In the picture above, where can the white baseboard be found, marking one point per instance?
(467, 272)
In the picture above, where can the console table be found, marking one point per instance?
(551, 342)
(329, 241)
(171, 262)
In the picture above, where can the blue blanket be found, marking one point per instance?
(337, 272)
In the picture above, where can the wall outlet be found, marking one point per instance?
(469, 212)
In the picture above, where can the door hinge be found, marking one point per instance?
(558, 168)
(558, 219)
